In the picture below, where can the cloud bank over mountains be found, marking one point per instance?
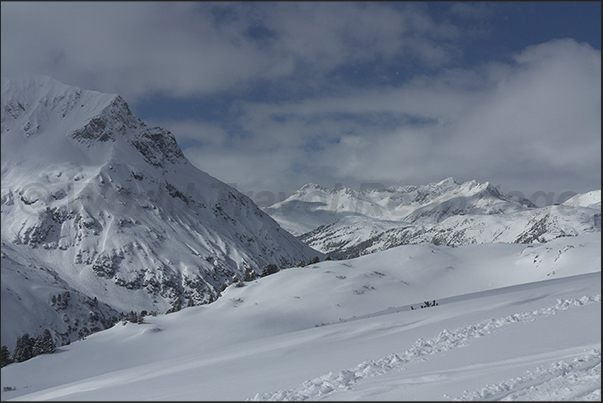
(271, 96)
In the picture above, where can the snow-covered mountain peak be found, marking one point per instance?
(348, 222)
(448, 182)
(41, 102)
(56, 123)
(311, 187)
(590, 199)
(96, 197)
(313, 206)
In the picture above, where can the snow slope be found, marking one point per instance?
(114, 210)
(589, 199)
(35, 298)
(512, 321)
(347, 222)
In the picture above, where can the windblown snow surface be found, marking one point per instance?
(512, 322)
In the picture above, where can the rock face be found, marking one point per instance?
(346, 223)
(113, 212)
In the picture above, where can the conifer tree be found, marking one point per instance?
(5, 357)
(269, 269)
(48, 344)
(249, 275)
(44, 344)
(23, 348)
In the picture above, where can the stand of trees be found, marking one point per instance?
(28, 347)
(268, 270)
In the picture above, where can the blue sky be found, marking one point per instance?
(268, 96)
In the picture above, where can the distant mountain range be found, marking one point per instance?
(107, 216)
(346, 223)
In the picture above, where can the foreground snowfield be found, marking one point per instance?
(513, 322)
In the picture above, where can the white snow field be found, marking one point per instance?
(512, 322)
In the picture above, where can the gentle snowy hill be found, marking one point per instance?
(111, 208)
(512, 321)
(346, 223)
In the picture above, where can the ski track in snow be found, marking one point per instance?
(579, 379)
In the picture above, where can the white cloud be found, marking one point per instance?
(181, 49)
(527, 120)
(507, 124)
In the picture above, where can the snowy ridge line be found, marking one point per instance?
(578, 379)
(331, 382)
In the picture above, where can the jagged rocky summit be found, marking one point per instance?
(346, 223)
(98, 205)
